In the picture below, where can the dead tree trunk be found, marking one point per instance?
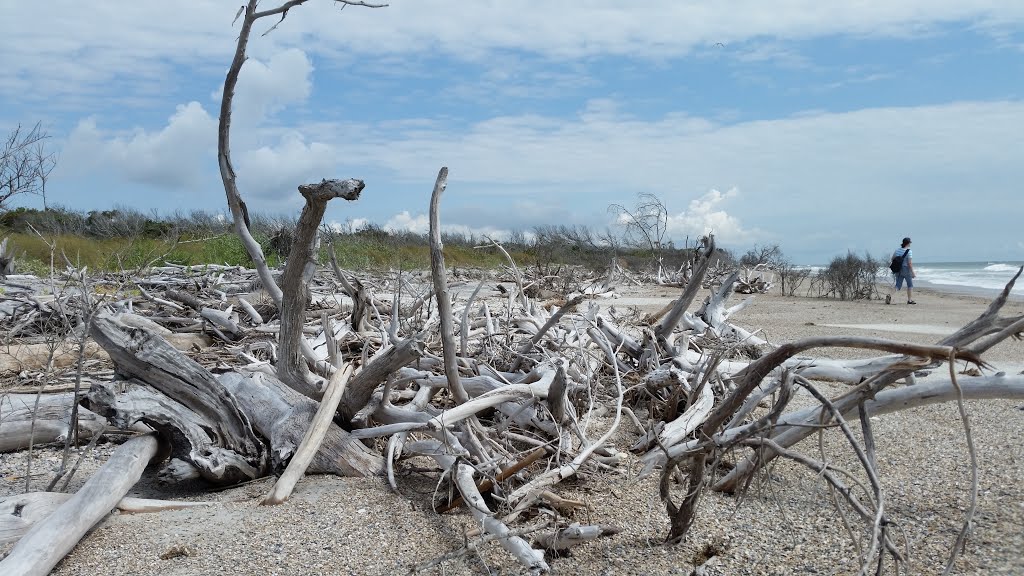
(291, 298)
(179, 398)
(291, 367)
(669, 323)
(444, 301)
(282, 415)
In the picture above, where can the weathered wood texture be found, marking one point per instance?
(282, 415)
(181, 399)
(49, 540)
(376, 371)
(20, 512)
(22, 423)
(291, 365)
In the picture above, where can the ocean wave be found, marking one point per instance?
(998, 267)
(988, 279)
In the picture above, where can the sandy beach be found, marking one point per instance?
(785, 525)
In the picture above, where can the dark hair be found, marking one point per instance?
(906, 241)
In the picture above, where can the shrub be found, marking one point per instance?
(791, 276)
(850, 277)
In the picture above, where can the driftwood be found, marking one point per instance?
(361, 388)
(294, 351)
(18, 357)
(282, 416)
(23, 423)
(20, 512)
(699, 397)
(440, 277)
(312, 440)
(470, 408)
(49, 540)
(179, 398)
(6, 259)
(562, 539)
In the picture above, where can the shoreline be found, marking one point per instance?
(989, 293)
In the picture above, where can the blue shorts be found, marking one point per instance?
(904, 276)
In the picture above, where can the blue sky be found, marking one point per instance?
(820, 126)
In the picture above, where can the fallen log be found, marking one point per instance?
(180, 399)
(49, 540)
(20, 512)
(19, 357)
(22, 423)
(282, 416)
(193, 439)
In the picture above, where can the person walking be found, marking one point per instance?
(906, 272)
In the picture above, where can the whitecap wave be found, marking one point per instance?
(991, 276)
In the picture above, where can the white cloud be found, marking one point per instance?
(817, 179)
(420, 224)
(266, 87)
(404, 221)
(705, 215)
(275, 172)
(180, 154)
(171, 157)
(84, 46)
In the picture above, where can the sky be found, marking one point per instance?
(820, 126)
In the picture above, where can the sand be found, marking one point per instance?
(786, 525)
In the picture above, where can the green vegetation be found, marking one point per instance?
(127, 239)
(33, 254)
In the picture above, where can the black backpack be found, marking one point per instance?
(897, 262)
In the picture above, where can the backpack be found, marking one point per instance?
(897, 262)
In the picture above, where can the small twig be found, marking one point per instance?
(488, 483)
(71, 473)
(472, 545)
(969, 519)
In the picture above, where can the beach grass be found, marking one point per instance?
(33, 253)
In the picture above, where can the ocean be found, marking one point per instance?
(979, 278)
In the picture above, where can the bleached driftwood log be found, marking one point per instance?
(282, 416)
(18, 357)
(23, 423)
(179, 398)
(20, 512)
(971, 340)
(49, 540)
(311, 441)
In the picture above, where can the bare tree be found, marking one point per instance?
(645, 225)
(768, 255)
(45, 161)
(291, 297)
(25, 164)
